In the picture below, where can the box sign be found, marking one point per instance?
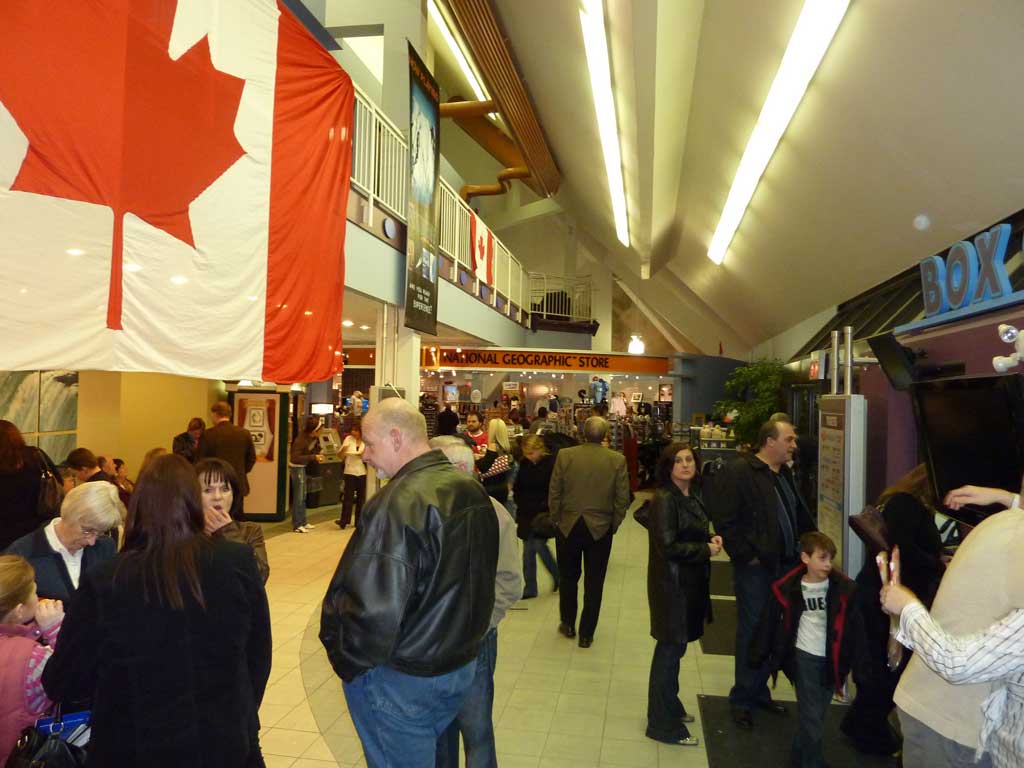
(969, 280)
(541, 360)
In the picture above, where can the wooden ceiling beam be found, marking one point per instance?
(479, 28)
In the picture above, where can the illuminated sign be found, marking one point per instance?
(542, 360)
(970, 279)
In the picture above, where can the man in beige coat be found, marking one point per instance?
(588, 496)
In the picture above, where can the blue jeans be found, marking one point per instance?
(475, 717)
(753, 585)
(813, 695)
(298, 476)
(398, 717)
(534, 546)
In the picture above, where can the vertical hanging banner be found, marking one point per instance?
(481, 242)
(177, 203)
(424, 161)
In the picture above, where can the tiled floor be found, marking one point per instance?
(556, 705)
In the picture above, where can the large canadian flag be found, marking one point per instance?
(173, 185)
(481, 241)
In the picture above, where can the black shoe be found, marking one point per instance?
(774, 707)
(679, 739)
(742, 717)
(339, 524)
(556, 587)
(566, 630)
(586, 642)
(687, 719)
(528, 597)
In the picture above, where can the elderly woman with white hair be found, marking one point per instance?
(65, 548)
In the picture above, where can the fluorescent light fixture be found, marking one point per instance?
(179, 279)
(819, 20)
(364, 327)
(347, 323)
(74, 252)
(456, 49)
(636, 345)
(595, 41)
(321, 409)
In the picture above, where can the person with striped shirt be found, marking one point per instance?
(993, 655)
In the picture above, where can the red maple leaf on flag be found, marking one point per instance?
(110, 118)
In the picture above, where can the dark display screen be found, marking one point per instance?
(971, 431)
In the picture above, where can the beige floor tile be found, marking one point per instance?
(563, 762)
(521, 719)
(581, 703)
(549, 683)
(270, 714)
(278, 761)
(305, 762)
(578, 724)
(278, 741)
(535, 700)
(569, 747)
(516, 741)
(517, 761)
(300, 718)
(629, 753)
(630, 726)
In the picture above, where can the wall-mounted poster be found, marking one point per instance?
(19, 399)
(424, 162)
(58, 401)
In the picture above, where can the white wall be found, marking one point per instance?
(787, 343)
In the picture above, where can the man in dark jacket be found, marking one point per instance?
(412, 596)
(231, 443)
(447, 421)
(760, 515)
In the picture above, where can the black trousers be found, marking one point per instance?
(753, 584)
(354, 495)
(580, 552)
(664, 709)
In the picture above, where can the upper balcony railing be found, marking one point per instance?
(380, 170)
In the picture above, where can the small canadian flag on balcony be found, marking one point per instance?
(481, 243)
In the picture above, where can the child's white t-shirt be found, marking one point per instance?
(810, 636)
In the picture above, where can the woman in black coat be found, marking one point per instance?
(171, 640)
(531, 494)
(21, 470)
(678, 580)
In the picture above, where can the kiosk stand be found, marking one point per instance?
(842, 463)
(323, 478)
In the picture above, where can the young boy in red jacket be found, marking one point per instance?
(813, 632)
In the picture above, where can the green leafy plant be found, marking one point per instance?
(756, 391)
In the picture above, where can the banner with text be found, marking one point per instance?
(424, 161)
(542, 360)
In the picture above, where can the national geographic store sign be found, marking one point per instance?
(542, 360)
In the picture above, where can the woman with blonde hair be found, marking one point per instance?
(495, 466)
(28, 632)
(531, 495)
(74, 543)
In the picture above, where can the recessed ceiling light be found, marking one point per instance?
(347, 323)
(364, 327)
(75, 252)
(23, 290)
(922, 222)
(595, 41)
(252, 298)
(131, 267)
(819, 20)
(307, 313)
(179, 279)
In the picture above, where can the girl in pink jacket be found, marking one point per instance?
(28, 631)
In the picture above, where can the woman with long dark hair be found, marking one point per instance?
(171, 640)
(531, 495)
(678, 585)
(21, 471)
(304, 451)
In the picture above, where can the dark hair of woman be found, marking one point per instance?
(217, 470)
(163, 539)
(196, 423)
(356, 426)
(311, 424)
(12, 447)
(668, 458)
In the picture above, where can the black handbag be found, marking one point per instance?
(543, 525)
(51, 491)
(36, 749)
(642, 514)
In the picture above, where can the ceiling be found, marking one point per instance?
(362, 310)
(913, 111)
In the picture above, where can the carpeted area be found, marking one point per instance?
(768, 744)
(721, 579)
(720, 635)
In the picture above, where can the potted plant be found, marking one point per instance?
(756, 391)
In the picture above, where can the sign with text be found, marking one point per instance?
(543, 360)
(421, 229)
(969, 279)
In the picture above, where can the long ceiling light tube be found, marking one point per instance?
(595, 41)
(456, 49)
(818, 23)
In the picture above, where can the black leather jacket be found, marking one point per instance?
(415, 587)
(744, 505)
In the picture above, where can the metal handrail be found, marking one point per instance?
(555, 297)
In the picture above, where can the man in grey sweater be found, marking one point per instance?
(474, 719)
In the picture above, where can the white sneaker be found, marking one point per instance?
(300, 529)
(309, 526)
